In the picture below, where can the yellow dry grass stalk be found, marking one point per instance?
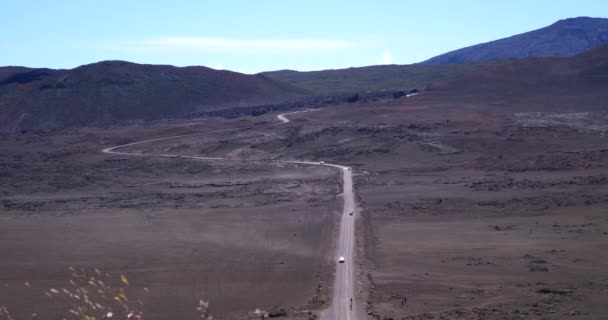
(4, 314)
(203, 309)
(260, 314)
(93, 295)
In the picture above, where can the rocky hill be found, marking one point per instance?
(571, 83)
(564, 38)
(381, 77)
(116, 91)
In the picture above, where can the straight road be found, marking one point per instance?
(344, 303)
(344, 306)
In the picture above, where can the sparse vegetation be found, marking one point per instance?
(61, 85)
(93, 295)
(96, 295)
(395, 77)
(5, 314)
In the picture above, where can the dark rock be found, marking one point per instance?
(536, 268)
(553, 291)
(277, 312)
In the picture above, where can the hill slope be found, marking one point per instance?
(520, 80)
(574, 83)
(113, 91)
(564, 38)
(383, 77)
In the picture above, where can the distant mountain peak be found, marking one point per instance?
(566, 37)
(575, 20)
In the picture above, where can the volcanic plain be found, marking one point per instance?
(474, 202)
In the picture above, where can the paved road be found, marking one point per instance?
(344, 285)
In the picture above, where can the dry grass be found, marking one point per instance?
(95, 295)
(4, 314)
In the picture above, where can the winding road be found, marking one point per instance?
(344, 306)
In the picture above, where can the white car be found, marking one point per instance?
(321, 162)
(341, 260)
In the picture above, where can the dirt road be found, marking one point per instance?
(282, 117)
(344, 304)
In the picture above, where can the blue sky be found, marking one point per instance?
(252, 36)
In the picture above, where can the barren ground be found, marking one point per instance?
(468, 211)
(241, 235)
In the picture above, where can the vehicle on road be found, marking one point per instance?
(351, 213)
(341, 260)
(321, 162)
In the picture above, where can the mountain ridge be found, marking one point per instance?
(111, 91)
(566, 37)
